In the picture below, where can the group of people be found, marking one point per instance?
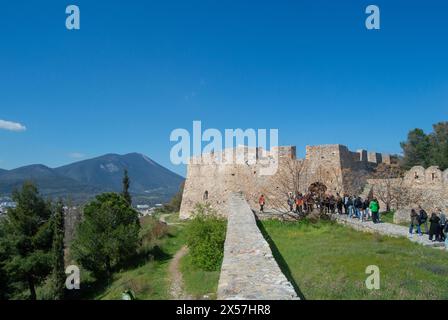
(353, 206)
(438, 226)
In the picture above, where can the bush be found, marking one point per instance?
(206, 234)
(151, 231)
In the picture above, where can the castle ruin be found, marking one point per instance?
(335, 166)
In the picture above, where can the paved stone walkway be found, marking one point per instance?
(249, 270)
(387, 229)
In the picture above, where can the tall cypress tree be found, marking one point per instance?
(126, 184)
(58, 275)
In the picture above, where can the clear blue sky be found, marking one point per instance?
(139, 69)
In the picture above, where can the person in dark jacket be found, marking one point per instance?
(414, 222)
(423, 218)
(339, 203)
(434, 227)
(351, 207)
(358, 207)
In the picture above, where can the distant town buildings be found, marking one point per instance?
(145, 210)
(5, 205)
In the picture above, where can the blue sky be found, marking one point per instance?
(139, 69)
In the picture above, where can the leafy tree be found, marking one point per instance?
(108, 235)
(439, 145)
(427, 149)
(416, 149)
(28, 235)
(58, 275)
(126, 184)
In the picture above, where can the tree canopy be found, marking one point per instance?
(421, 149)
(108, 235)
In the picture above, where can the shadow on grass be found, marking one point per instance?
(144, 255)
(280, 260)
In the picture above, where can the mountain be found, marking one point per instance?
(50, 182)
(150, 182)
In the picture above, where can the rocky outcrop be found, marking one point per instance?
(249, 270)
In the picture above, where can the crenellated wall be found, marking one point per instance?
(244, 169)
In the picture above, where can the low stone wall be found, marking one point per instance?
(249, 270)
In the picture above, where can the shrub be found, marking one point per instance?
(206, 234)
(151, 231)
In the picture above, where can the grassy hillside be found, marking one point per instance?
(328, 261)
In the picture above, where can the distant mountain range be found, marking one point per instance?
(80, 181)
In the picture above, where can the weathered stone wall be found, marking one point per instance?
(419, 186)
(249, 270)
(211, 180)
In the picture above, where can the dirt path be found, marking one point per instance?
(177, 284)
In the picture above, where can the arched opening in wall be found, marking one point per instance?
(317, 188)
(415, 175)
(205, 195)
(433, 176)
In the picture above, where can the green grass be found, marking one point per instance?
(149, 280)
(198, 283)
(389, 217)
(328, 261)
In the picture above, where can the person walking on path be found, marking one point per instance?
(365, 207)
(299, 203)
(351, 208)
(339, 203)
(357, 203)
(434, 231)
(291, 202)
(442, 217)
(423, 218)
(414, 223)
(346, 198)
(261, 202)
(374, 208)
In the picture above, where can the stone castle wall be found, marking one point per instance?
(211, 178)
(419, 186)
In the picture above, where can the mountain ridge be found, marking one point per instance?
(81, 180)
